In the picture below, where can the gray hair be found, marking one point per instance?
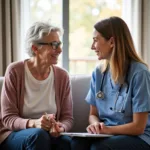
(36, 32)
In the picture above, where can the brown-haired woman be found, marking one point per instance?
(119, 94)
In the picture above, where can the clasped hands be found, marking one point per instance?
(48, 123)
(98, 128)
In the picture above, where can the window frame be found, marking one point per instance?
(25, 15)
(65, 22)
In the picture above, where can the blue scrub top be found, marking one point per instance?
(135, 99)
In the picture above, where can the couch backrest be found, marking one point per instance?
(80, 86)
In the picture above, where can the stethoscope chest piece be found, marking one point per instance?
(100, 94)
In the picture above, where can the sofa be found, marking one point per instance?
(80, 85)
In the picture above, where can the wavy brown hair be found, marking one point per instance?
(123, 52)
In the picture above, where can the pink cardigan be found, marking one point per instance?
(12, 99)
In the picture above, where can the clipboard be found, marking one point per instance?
(78, 134)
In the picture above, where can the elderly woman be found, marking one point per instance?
(36, 102)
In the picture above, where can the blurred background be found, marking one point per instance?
(83, 14)
(77, 18)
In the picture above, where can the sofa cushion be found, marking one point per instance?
(80, 85)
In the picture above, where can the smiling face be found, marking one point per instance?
(101, 46)
(46, 53)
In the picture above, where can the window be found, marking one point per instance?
(77, 57)
(81, 58)
(46, 10)
(40, 10)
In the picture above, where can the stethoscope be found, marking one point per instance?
(100, 94)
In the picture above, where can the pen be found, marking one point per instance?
(47, 117)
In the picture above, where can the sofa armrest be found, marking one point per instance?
(80, 85)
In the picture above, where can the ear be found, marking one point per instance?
(34, 48)
(112, 42)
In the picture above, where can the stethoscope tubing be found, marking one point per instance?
(100, 93)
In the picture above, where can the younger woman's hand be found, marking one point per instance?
(94, 128)
(104, 129)
(98, 128)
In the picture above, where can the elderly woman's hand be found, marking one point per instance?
(56, 129)
(45, 122)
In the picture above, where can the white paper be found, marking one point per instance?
(78, 134)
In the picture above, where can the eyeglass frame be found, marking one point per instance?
(53, 44)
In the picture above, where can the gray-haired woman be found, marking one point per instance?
(36, 102)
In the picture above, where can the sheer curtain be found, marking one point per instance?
(9, 33)
(146, 31)
(132, 14)
(136, 14)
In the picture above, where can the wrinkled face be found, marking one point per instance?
(49, 48)
(101, 46)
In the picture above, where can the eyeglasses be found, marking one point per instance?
(54, 44)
